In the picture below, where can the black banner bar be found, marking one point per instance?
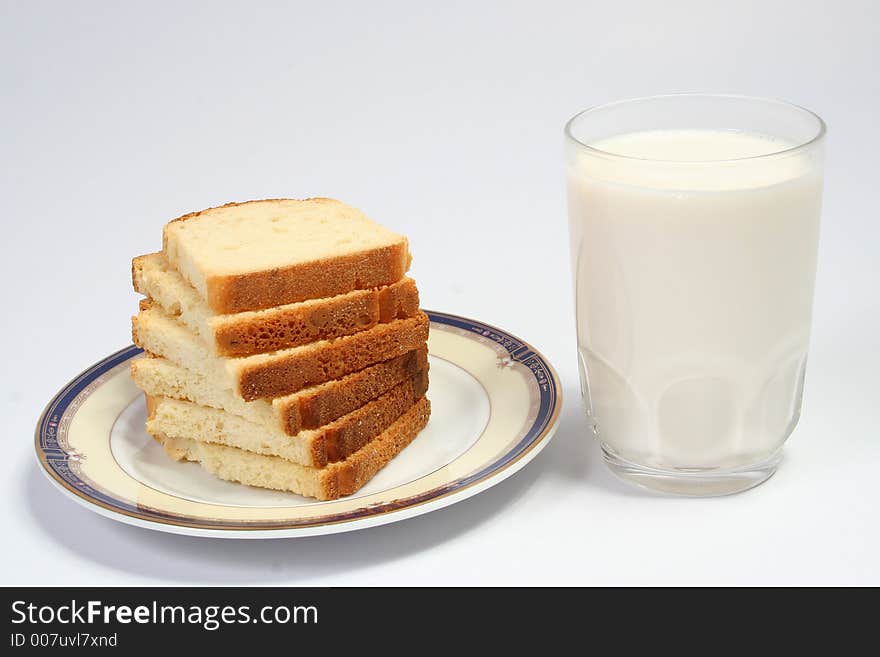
(255, 619)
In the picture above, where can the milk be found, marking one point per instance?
(694, 285)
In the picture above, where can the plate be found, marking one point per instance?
(495, 404)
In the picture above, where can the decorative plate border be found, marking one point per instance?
(61, 464)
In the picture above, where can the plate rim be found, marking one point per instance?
(495, 472)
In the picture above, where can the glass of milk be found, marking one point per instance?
(694, 222)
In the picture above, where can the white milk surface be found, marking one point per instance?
(694, 285)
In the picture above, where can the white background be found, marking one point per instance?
(443, 122)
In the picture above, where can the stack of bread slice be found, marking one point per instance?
(284, 345)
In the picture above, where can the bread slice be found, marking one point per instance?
(281, 372)
(328, 483)
(314, 447)
(260, 331)
(309, 408)
(259, 254)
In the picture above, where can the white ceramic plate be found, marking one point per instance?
(495, 404)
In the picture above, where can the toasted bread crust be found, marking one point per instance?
(311, 408)
(315, 409)
(292, 326)
(279, 327)
(290, 373)
(311, 280)
(266, 376)
(347, 477)
(348, 434)
(398, 301)
(328, 483)
(333, 442)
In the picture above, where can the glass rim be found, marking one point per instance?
(817, 136)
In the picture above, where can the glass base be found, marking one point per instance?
(693, 483)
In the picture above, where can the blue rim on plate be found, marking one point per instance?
(56, 461)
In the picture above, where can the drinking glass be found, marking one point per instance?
(694, 222)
